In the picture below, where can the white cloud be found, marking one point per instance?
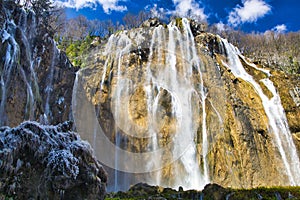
(156, 12)
(189, 8)
(250, 11)
(220, 26)
(107, 5)
(280, 28)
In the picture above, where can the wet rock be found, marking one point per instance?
(198, 28)
(48, 162)
(33, 71)
(152, 22)
(211, 43)
(145, 191)
(214, 191)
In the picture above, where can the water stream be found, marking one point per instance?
(273, 108)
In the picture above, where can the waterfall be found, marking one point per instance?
(21, 61)
(176, 49)
(154, 104)
(12, 54)
(11, 62)
(170, 102)
(48, 90)
(123, 44)
(158, 37)
(277, 120)
(203, 95)
(31, 80)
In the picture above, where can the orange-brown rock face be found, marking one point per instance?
(166, 104)
(193, 107)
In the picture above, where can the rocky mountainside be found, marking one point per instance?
(36, 78)
(194, 109)
(170, 105)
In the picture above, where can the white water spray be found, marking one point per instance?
(177, 49)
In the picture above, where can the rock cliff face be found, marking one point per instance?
(36, 78)
(189, 109)
(169, 105)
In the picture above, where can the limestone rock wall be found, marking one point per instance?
(239, 148)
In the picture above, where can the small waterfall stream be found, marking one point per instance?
(21, 65)
(12, 54)
(24, 31)
(275, 113)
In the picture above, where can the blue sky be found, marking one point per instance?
(247, 15)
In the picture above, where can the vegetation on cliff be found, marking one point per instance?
(77, 50)
(277, 50)
(270, 49)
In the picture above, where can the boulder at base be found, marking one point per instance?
(48, 162)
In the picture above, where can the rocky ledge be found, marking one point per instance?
(210, 192)
(48, 162)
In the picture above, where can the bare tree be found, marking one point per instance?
(130, 21)
(133, 21)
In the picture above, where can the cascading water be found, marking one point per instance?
(32, 70)
(13, 52)
(176, 49)
(124, 45)
(277, 120)
(49, 88)
(159, 112)
(31, 81)
(180, 87)
(203, 94)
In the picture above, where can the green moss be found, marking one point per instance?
(77, 50)
(118, 32)
(178, 22)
